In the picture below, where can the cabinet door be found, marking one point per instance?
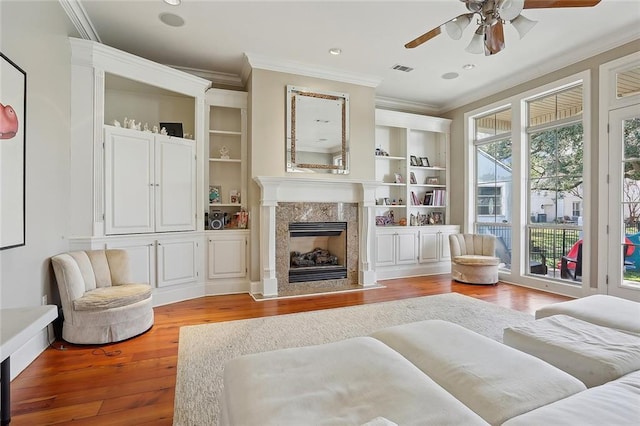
(429, 247)
(227, 256)
(177, 262)
(129, 185)
(142, 259)
(406, 248)
(175, 184)
(385, 249)
(445, 250)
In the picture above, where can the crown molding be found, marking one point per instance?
(405, 106)
(255, 60)
(219, 78)
(80, 19)
(573, 56)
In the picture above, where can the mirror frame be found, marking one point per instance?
(290, 148)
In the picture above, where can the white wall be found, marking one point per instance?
(34, 36)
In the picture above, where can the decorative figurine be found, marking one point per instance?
(163, 131)
(132, 124)
(154, 129)
(146, 127)
(126, 123)
(116, 123)
(224, 153)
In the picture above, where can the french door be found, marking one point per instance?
(623, 266)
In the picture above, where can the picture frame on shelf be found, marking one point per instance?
(412, 178)
(438, 218)
(432, 180)
(387, 201)
(398, 178)
(414, 160)
(215, 194)
(173, 129)
(234, 196)
(424, 162)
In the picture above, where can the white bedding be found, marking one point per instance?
(494, 380)
(592, 353)
(616, 403)
(350, 382)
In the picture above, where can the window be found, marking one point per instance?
(555, 178)
(576, 210)
(493, 179)
(489, 200)
(628, 83)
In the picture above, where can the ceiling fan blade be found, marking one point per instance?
(494, 39)
(423, 38)
(543, 4)
(432, 33)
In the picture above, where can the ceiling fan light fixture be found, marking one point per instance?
(523, 25)
(474, 5)
(509, 9)
(456, 26)
(476, 46)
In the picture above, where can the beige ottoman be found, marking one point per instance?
(601, 309)
(349, 382)
(494, 380)
(593, 354)
(615, 403)
(475, 269)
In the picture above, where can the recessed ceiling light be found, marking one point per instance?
(171, 19)
(173, 2)
(450, 75)
(335, 51)
(468, 66)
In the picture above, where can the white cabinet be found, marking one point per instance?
(396, 247)
(150, 182)
(177, 262)
(434, 243)
(161, 262)
(227, 254)
(411, 164)
(411, 251)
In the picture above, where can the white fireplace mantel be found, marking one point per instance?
(302, 189)
(293, 190)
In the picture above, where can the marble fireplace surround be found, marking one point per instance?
(290, 195)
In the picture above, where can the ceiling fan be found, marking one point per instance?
(492, 15)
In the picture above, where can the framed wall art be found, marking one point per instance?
(13, 108)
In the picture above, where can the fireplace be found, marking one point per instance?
(286, 200)
(317, 251)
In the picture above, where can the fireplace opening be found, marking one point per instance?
(317, 251)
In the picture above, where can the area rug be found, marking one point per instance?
(204, 349)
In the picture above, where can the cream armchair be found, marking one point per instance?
(473, 258)
(99, 302)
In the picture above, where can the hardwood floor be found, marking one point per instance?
(133, 382)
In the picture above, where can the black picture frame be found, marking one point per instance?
(13, 153)
(424, 162)
(414, 161)
(173, 129)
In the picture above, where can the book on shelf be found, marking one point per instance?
(414, 199)
(435, 198)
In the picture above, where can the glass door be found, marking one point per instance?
(624, 203)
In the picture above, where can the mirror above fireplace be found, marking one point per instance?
(317, 131)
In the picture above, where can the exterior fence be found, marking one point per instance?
(547, 244)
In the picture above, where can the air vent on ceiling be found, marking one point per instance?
(402, 68)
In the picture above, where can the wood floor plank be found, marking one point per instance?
(84, 386)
